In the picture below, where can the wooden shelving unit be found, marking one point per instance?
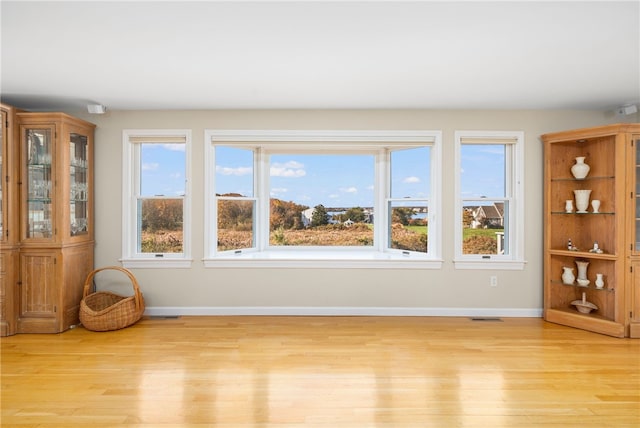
(48, 211)
(606, 150)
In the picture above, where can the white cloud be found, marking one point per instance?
(412, 179)
(334, 196)
(291, 169)
(279, 190)
(349, 189)
(241, 170)
(175, 175)
(150, 166)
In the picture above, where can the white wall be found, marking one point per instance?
(446, 291)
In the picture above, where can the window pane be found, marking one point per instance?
(236, 219)
(484, 227)
(410, 172)
(483, 170)
(162, 170)
(321, 200)
(234, 171)
(160, 225)
(408, 228)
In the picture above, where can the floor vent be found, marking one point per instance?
(494, 319)
(164, 317)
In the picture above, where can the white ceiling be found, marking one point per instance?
(315, 54)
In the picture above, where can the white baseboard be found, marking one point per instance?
(343, 311)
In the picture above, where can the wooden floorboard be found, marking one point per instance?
(322, 372)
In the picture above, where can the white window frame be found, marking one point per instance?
(131, 258)
(514, 178)
(290, 141)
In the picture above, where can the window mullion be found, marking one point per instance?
(262, 186)
(381, 207)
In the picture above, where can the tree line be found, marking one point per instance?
(167, 214)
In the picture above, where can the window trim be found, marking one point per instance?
(515, 260)
(130, 257)
(286, 141)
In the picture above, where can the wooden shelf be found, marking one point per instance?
(583, 255)
(592, 322)
(588, 287)
(587, 179)
(577, 213)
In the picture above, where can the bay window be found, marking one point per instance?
(322, 198)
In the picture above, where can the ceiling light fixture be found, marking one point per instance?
(96, 109)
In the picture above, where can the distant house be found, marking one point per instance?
(307, 215)
(488, 216)
(368, 215)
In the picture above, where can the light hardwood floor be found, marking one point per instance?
(322, 372)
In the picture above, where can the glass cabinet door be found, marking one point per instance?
(39, 190)
(2, 166)
(79, 184)
(636, 215)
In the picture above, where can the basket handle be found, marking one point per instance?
(134, 282)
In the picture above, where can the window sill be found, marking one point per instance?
(156, 263)
(490, 264)
(323, 260)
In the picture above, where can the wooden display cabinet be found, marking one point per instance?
(55, 212)
(9, 244)
(606, 150)
(634, 299)
(633, 260)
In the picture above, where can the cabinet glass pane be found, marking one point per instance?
(2, 196)
(637, 213)
(79, 188)
(39, 190)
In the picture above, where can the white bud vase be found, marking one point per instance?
(567, 275)
(599, 280)
(580, 169)
(582, 200)
(568, 206)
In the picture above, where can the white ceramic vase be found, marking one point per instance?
(582, 269)
(580, 169)
(567, 275)
(568, 205)
(582, 200)
(599, 280)
(595, 204)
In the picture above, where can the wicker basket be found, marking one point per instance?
(106, 311)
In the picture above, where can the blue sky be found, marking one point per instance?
(483, 171)
(331, 180)
(163, 169)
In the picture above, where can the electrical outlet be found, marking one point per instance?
(493, 281)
